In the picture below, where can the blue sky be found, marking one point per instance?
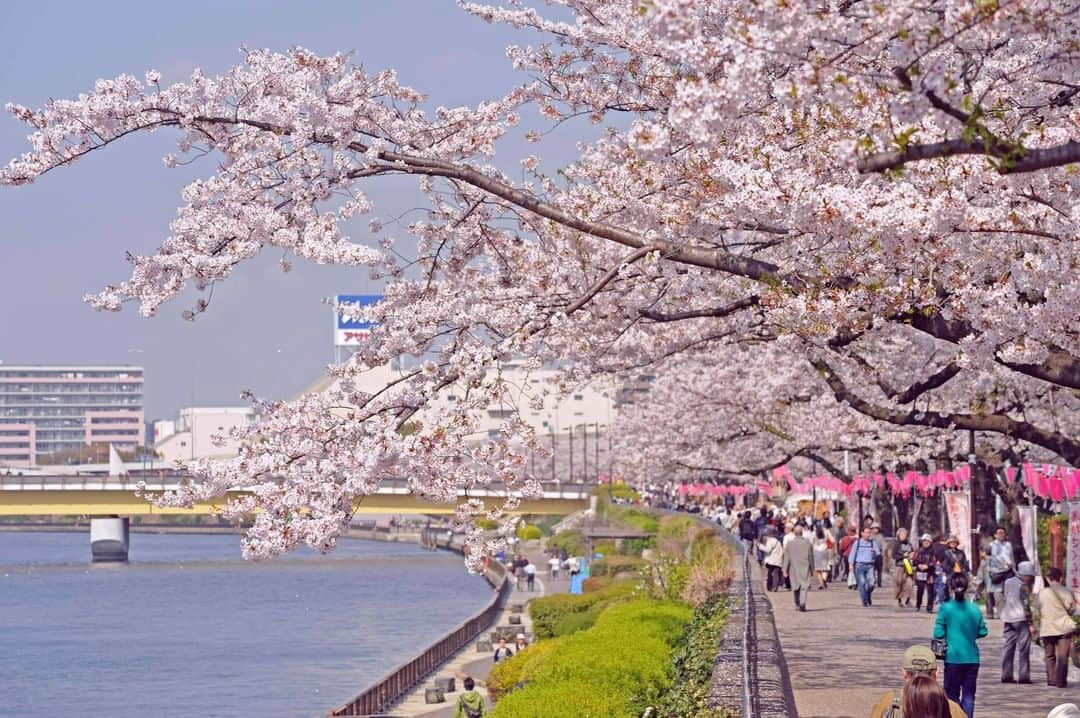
(66, 235)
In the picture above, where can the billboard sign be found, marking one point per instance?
(349, 331)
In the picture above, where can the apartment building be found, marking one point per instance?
(48, 409)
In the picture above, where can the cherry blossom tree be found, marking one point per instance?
(874, 201)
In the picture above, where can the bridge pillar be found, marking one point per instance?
(109, 539)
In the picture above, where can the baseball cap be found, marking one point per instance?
(1026, 568)
(1065, 710)
(919, 658)
(926, 537)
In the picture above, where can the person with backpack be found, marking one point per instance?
(748, 532)
(470, 704)
(918, 663)
(501, 651)
(1056, 626)
(925, 569)
(863, 557)
(960, 623)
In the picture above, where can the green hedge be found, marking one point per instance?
(616, 669)
(528, 532)
(548, 612)
(518, 669)
(614, 565)
(693, 664)
(572, 541)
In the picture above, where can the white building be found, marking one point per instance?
(576, 425)
(201, 433)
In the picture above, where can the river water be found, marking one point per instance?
(188, 629)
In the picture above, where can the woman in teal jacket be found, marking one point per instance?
(960, 623)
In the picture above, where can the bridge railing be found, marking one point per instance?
(154, 482)
(402, 679)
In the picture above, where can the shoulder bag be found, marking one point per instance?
(1074, 652)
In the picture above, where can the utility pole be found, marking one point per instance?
(552, 454)
(584, 453)
(571, 453)
(596, 452)
(973, 539)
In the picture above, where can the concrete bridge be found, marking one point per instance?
(109, 500)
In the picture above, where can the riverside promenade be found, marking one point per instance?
(841, 657)
(468, 661)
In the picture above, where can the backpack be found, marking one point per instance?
(469, 711)
(894, 710)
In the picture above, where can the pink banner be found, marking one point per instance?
(958, 508)
(1072, 561)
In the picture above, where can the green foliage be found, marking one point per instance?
(634, 547)
(487, 524)
(544, 700)
(617, 668)
(528, 532)
(574, 622)
(572, 541)
(1043, 536)
(693, 665)
(676, 527)
(614, 565)
(606, 548)
(621, 492)
(518, 669)
(549, 611)
(595, 583)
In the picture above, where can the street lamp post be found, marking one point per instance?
(570, 478)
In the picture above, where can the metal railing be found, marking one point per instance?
(748, 635)
(396, 684)
(156, 482)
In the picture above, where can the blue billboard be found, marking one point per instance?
(346, 329)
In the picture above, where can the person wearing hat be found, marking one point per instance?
(955, 563)
(925, 568)
(917, 661)
(1016, 618)
(520, 643)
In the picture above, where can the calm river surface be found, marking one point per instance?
(188, 629)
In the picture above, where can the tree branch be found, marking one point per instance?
(1014, 160)
(723, 311)
(611, 274)
(1060, 367)
(935, 380)
(1067, 448)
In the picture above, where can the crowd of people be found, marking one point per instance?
(799, 551)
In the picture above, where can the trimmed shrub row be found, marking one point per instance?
(693, 664)
(614, 565)
(548, 612)
(616, 669)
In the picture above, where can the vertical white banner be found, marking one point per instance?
(958, 508)
(1072, 560)
(1027, 532)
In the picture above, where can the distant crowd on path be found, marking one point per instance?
(797, 551)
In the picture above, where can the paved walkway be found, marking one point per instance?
(468, 662)
(841, 657)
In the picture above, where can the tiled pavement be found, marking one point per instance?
(841, 657)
